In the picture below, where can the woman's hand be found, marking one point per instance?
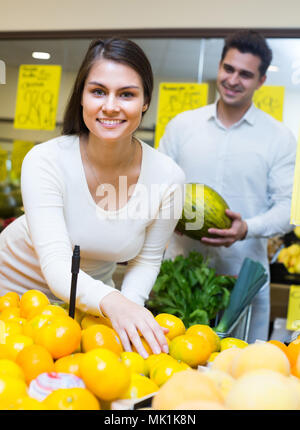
(229, 236)
(127, 318)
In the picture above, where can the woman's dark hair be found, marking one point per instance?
(119, 50)
(250, 41)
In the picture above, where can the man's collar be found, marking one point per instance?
(249, 116)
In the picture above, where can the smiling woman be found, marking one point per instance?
(62, 188)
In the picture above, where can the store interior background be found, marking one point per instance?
(34, 26)
(172, 59)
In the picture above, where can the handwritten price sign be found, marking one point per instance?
(270, 99)
(175, 98)
(37, 97)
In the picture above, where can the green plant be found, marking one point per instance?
(190, 289)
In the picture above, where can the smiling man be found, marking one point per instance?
(246, 156)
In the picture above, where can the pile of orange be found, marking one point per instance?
(38, 337)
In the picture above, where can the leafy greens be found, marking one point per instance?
(190, 289)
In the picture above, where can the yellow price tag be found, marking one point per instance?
(20, 149)
(37, 97)
(270, 99)
(174, 98)
(293, 314)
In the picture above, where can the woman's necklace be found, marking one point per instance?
(90, 164)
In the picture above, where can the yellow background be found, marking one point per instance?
(174, 98)
(37, 97)
(270, 99)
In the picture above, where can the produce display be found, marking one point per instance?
(50, 361)
(190, 289)
(205, 206)
(290, 258)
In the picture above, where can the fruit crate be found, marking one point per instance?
(240, 328)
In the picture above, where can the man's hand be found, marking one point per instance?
(227, 237)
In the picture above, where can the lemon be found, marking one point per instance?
(10, 368)
(134, 361)
(232, 342)
(140, 386)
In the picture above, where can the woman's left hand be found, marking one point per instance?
(129, 319)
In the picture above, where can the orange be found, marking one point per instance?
(293, 351)
(53, 310)
(33, 302)
(4, 352)
(12, 327)
(155, 358)
(15, 344)
(11, 368)
(10, 313)
(71, 399)
(32, 325)
(280, 345)
(78, 313)
(8, 300)
(34, 359)
(28, 404)
(139, 386)
(171, 322)
(104, 374)
(69, 364)
(232, 342)
(11, 389)
(100, 336)
(89, 320)
(60, 336)
(208, 333)
(145, 345)
(19, 320)
(295, 369)
(134, 361)
(191, 349)
(163, 370)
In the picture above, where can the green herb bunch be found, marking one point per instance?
(190, 289)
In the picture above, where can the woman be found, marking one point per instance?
(94, 187)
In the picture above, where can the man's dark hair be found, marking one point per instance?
(250, 41)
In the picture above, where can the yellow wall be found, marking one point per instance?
(33, 15)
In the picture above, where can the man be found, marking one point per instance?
(247, 157)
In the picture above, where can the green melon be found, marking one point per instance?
(204, 208)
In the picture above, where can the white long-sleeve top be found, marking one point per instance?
(251, 165)
(36, 249)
